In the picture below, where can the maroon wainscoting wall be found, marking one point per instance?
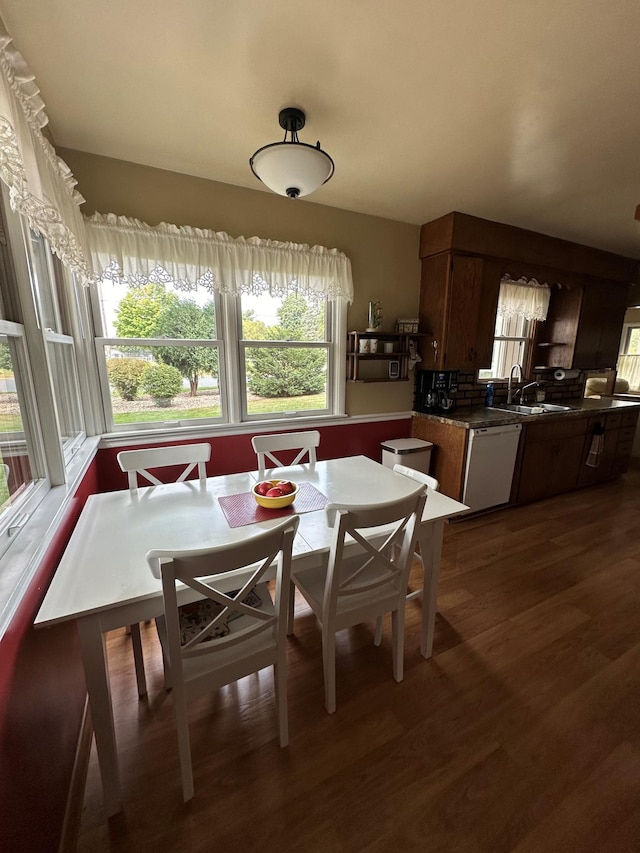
(231, 454)
(42, 697)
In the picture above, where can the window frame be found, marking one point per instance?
(231, 368)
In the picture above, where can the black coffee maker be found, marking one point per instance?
(435, 391)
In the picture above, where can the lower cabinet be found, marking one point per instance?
(551, 459)
(553, 456)
(449, 454)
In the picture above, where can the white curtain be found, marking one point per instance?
(524, 298)
(41, 186)
(185, 258)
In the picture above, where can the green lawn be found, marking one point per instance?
(257, 406)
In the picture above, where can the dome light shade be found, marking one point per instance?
(292, 168)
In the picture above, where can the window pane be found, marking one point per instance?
(295, 317)
(43, 282)
(633, 341)
(15, 466)
(162, 383)
(64, 379)
(153, 311)
(285, 379)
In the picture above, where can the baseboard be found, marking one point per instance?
(75, 797)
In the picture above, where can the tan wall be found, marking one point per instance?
(383, 253)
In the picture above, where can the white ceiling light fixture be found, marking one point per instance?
(292, 168)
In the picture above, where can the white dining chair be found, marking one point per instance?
(266, 447)
(135, 463)
(429, 583)
(241, 631)
(363, 578)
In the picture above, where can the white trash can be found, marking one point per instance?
(412, 452)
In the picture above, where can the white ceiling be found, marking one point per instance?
(521, 111)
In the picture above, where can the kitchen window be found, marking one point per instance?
(629, 359)
(195, 328)
(522, 305)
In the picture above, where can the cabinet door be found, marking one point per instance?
(434, 287)
(551, 459)
(606, 428)
(601, 318)
(451, 312)
(462, 350)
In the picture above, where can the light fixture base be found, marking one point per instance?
(291, 119)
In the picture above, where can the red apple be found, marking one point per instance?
(286, 487)
(275, 492)
(263, 488)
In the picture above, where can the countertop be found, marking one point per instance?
(482, 416)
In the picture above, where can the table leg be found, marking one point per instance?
(96, 673)
(431, 576)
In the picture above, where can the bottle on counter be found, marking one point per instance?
(488, 397)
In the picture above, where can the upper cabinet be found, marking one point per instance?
(458, 301)
(601, 318)
(463, 260)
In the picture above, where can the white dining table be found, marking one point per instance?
(103, 580)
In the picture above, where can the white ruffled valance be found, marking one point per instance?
(525, 298)
(185, 258)
(41, 186)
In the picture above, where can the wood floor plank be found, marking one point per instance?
(520, 734)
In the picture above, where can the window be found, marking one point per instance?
(196, 328)
(629, 359)
(521, 305)
(41, 413)
(285, 355)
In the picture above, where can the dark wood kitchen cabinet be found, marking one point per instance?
(600, 324)
(464, 258)
(458, 302)
(551, 460)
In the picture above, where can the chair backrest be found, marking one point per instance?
(363, 566)
(418, 476)
(206, 571)
(266, 446)
(136, 462)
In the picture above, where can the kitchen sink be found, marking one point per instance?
(534, 409)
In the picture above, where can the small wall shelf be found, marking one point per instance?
(400, 354)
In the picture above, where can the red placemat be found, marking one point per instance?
(242, 509)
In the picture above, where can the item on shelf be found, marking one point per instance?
(407, 326)
(388, 347)
(363, 345)
(375, 317)
(373, 345)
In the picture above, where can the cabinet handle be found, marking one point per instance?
(435, 352)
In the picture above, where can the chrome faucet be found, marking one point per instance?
(522, 390)
(518, 368)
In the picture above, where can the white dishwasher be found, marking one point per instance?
(491, 457)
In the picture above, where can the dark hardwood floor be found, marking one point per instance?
(522, 733)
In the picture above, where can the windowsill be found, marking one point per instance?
(117, 439)
(22, 559)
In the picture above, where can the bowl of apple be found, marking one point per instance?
(275, 494)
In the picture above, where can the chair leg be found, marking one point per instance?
(280, 680)
(292, 607)
(138, 658)
(397, 641)
(161, 627)
(329, 668)
(377, 637)
(184, 746)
